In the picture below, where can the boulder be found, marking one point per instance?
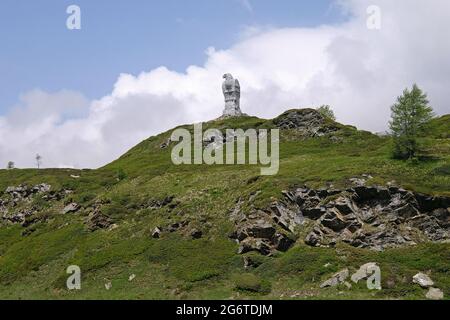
(435, 294)
(364, 272)
(344, 205)
(70, 208)
(336, 279)
(423, 280)
(156, 233)
(98, 220)
(314, 238)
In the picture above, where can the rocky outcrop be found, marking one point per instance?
(365, 217)
(16, 203)
(308, 122)
(372, 217)
(97, 220)
(262, 231)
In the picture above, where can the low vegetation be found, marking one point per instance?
(143, 190)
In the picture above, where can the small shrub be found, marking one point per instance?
(327, 112)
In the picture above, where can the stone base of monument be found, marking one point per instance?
(222, 117)
(232, 110)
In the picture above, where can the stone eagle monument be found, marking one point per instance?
(232, 92)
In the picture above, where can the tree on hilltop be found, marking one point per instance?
(327, 112)
(409, 116)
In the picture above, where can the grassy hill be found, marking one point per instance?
(143, 190)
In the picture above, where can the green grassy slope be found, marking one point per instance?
(176, 266)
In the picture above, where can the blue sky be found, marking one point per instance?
(127, 36)
(83, 98)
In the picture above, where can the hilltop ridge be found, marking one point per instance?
(197, 231)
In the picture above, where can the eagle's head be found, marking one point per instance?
(228, 76)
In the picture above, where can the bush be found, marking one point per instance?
(327, 112)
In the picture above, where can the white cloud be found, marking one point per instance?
(357, 71)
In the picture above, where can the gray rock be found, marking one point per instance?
(261, 229)
(307, 122)
(334, 220)
(358, 182)
(156, 233)
(98, 220)
(364, 272)
(72, 207)
(435, 294)
(423, 280)
(315, 237)
(282, 242)
(336, 279)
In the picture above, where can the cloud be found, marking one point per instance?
(359, 72)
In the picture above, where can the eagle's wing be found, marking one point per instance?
(237, 85)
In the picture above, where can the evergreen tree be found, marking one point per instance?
(409, 116)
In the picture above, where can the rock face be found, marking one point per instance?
(16, 202)
(372, 217)
(376, 218)
(308, 122)
(232, 93)
(262, 231)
